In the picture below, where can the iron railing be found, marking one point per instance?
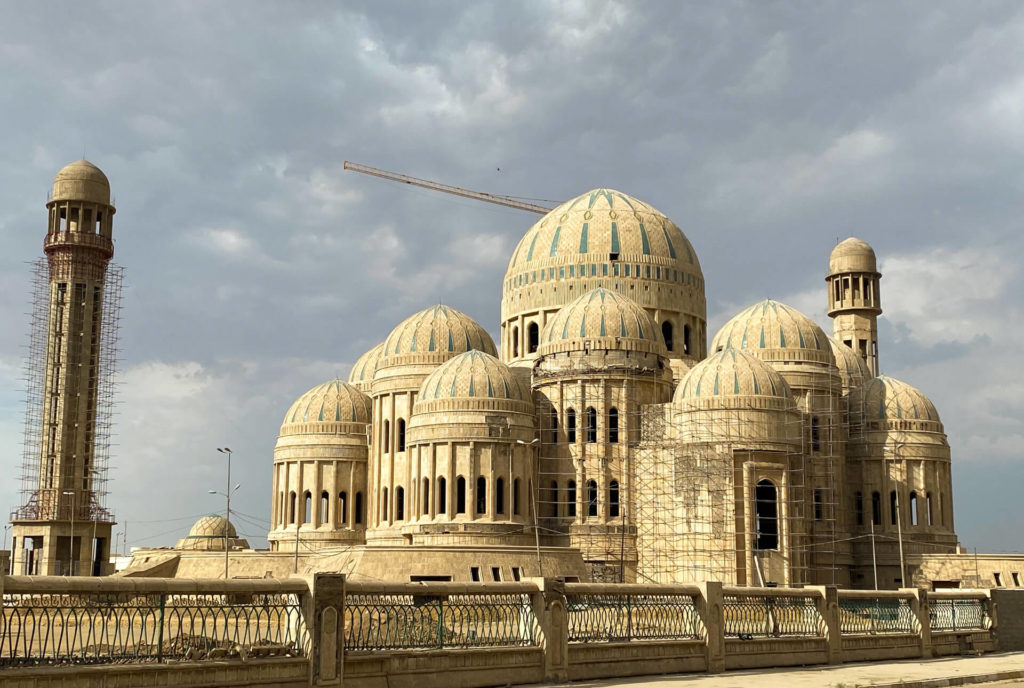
(391, 621)
(958, 614)
(619, 618)
(771, 616)
(119, 626)
(875, 615)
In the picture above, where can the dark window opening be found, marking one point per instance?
(399, 503)
(516, 574)
(307, 510)
(892, 507)
(819, 511)
(474, 573)
(766, 513)
(687, 347)
(481, 495)
(554, 426)
(496, 573)
(591, 425)
(571, 498)
(858, 500)
(515, 342)
(291, 508)
(613, 425)
(613, 499)
(570, 425)
(442, 496)
(325, 507)
(387, 435)
(358, 511)
(460, 495)
(384, 505)
(998, 578)
(815, 434)
(876, 508)
(426, 497)
(532, 338)
(342, 507)
(928, 508)
(666, 333)
(499, 496)
(401, 435)
(592, 498)
(515, 497)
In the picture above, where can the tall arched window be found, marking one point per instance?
(686, 339)
(928, 508)
(913, 508)
(282, 513)
(307, 508)
(613, 498)
(766, 513)
(499, 496)
(460, 495)
(591, 425)
(532, 337)
(613, 425)
(401, 435)
(515, 497)
(384, 505)
(858, 507)
(819, 507)
(592, 498)
(387, 436)
(399, 503)
(481, 495)
(876, 508)
(554, 426)
(666, 333)
(570, 498)
(325, 507)
(515, 342)
(357, 511)
(442, 496)
(426, 497)
(342, 507)
(893, 512)
(291, 507)
(552, 499)
(570, 425)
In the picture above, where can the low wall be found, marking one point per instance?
(463, 668)
(285, 673)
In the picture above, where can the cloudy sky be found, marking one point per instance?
(257, 268)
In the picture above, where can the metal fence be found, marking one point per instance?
(875, 615)
(769, 616)
(958, 614)
(383, 621)
(39, 628)
(616, 618)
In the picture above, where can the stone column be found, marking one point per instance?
(324, 610)
(711, 608)
(828, 608)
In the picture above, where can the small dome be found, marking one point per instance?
(212, 526)
(81, 181)
(361, 374)
(474, 374)
(327, 404)
(209, 533)
(852, 368)
(852, 255)
(731, 373)
(601, 319)
(887, 398)
(439, 330)
(773, 327)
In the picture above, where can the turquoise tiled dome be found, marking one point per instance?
(768, 328)
(601, 319)
(439, 329)
(331, 402)
(474, 374)
(731, 373)
(887, 398)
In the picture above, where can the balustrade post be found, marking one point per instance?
(325, 620)
(919, 605)
(828, 609)
(549, 607)
(711, 608)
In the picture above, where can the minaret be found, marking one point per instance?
(63, 528)
(854, 302)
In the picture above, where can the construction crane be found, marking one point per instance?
(507, 201)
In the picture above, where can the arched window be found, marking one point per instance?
(570, 425)
(481, 495)
(387, 436)
(613, 498)
(666, 333)
(928, 508)
(384, 505)
(401, 435)
(552, 499)
(876, 508)
(613, 425)
(515, 497)
(913, 508)
(819, 507)
(399, 503)
(515, 342)
(282, 514)
(291, 507)
(570, 498)
(532, 337)
(307, 508)
(460, 495)
(499, 496)
(592, 498)
(766, 513)
(426, 496)
(858, 506)
(342, 507)
(892, 508)
(442, 496)
(358, 510)
(591, 425)
(686, 339)
(554, 426)
(325, 507)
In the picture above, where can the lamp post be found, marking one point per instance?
(71, 542)
(227, 509)
(895, 451)
(533, 498)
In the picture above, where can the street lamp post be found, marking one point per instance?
(894, 450)
(227, 510)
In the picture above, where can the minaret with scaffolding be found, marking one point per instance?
(854, 302)
(63, 526)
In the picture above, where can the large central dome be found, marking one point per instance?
(607, 239)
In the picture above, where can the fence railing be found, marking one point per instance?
(958, 612)
(772, 613)
(102, 621)
(872, 613)
(400, 616)
(617, 613)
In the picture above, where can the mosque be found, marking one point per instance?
(603, 440)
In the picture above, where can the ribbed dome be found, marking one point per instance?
(769, 330)
(477, 375)
(887, 398)
(852, 368)
(731, 373)
(436, 330)
(212, 526)
(852, 255)
(361, 374)
(327, 404)
(81, 181)
(601, 222)
(601, 319)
